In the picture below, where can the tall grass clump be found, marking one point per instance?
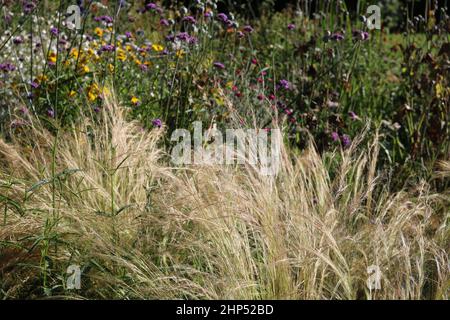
(107, 198)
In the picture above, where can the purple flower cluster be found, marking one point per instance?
(189, 19)
(157, 123)
(151, 7)
(34, 84)
(107, 48)
(105, 19)
(182, 36)
(360, 35)
(337, 36)
(18, 40)
(283, 84)
(164, 22)
(7, 67)
(28, 7)
(222, 17)
(51, 113)
(54, 31)
(248, 29)
(345, 139)
(219, 65)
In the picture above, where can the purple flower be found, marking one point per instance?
(28, 7)
(170, 38)
(337, 36)
(346, 141)
(143, 67)
(284, 84)
(222, 17)
(219, 65)
(192, 40)
(208, 14)
(128, 34)
(7, 67)
(360, 35)
(240, 34)
(34, 84)
(157, 123)
(189, 19)
(54, 31)
(50, 113)
(353, 115)
(106, 19)
(164, 22)
(231, 24)
(18, 40)
(107, 47)
(248, 29)
(291, 26)
(183, 36)
(335, 136)
(151, 6)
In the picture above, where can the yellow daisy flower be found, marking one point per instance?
(134, 100)
(157, 47)
(98, 31)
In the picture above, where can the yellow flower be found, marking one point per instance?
(121, 55)
(111, 68)
(93, 91)
(180, 53)
(92, 96)
(52, 57)
(157, 47)
(72, 93)
(74, 53)
(440, 90)
(42, 78)
(134, 100)
(83, 69)
(98, 31)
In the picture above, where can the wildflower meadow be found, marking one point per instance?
(224, 149)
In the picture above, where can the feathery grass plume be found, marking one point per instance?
(141, 229)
